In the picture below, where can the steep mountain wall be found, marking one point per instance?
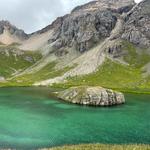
(137, 25)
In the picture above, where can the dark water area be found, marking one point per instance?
(31, 118)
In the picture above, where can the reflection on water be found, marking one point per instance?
(30, 118)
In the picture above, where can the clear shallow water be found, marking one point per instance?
(30, 118)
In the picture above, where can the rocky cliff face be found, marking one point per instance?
(91, 23)
(88, 24)
(137, 25)
(92, 96)
(85, 30)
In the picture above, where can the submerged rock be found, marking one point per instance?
(92, 96)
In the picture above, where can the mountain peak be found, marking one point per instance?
(11, 34)
(103, 5)
(5, 23)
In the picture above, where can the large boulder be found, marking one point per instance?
(92, 96)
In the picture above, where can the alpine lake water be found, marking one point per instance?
(30, 118)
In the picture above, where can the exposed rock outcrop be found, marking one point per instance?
(88, 24)
(84, 30)
(137, 25)
(85, 26)
(92, 96)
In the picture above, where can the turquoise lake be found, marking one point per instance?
(30, 118)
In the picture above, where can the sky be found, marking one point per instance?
(32, 15)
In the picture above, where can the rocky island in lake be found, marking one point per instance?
(59, 80)
(92, 96)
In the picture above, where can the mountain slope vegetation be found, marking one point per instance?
(13, 60)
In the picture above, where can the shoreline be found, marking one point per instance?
(101, 147)
(132, 91)
(96, 146)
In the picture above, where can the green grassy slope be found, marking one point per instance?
(13, 60)
(110, 75)
(136, 57)
(45, 73)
